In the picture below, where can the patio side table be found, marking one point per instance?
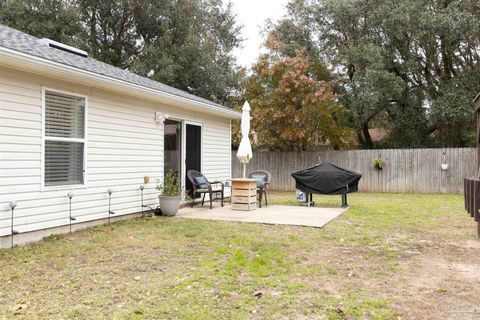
(244, 194)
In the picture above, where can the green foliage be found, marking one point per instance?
(291, 109)
(297, 36)
(409, 66)
(43, 18)
(192, 49)
(187, 44)
(171, 184)
(378, 163)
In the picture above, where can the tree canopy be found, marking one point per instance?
(187, 44)
(291, 110)
(409, 66)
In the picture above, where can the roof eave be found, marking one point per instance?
(19, 60)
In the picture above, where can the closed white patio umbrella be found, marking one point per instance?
(244, 153)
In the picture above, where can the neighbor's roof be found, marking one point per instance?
(19, 41)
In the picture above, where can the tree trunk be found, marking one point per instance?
(368, 143)
(361, 140)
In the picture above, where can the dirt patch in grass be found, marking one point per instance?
(387, 257)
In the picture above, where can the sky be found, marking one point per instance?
(252, 15)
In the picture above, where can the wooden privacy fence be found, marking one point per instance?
(404, 171)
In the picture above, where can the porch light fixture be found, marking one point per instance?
(12, 205)
(110, 212)
(70, 196)
(161, 117)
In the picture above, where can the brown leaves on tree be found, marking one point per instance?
(290, 109)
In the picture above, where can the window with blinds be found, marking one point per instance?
(64, 139)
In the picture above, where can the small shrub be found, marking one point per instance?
(171, 185)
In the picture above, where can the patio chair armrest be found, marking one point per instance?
(217, 182)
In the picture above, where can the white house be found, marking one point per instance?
(70, 123)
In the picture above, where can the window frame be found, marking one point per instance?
(63, 139)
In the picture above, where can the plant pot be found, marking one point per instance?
(444, 166)
(169, 205)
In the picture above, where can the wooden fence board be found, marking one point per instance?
(405, 171)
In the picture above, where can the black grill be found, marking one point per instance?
(327, 178)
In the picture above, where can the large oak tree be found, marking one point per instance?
(187, 44)
(410, 66)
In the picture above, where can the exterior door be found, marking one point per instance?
(193, 152)
(172, 144)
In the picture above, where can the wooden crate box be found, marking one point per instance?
(244, 194)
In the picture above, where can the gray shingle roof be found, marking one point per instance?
(16, 40)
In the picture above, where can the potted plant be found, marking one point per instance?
(169, 193)
(378, 163)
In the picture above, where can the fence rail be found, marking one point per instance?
(405, 170)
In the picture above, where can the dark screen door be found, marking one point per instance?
(193, 149)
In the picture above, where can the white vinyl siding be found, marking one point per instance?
(123, 145)
(64, 138)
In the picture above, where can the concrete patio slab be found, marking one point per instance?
(287, 215)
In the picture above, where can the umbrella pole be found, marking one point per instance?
(244, 170)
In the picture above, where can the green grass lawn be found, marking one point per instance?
(389, 256)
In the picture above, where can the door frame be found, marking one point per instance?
(184, 151)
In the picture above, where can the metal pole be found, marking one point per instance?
(70, 211)
(11, 231)
(70, 196)
(244, 170)
(141, 190)
(344, 200)
(109, 202)
(12, 205)
(110, 212)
